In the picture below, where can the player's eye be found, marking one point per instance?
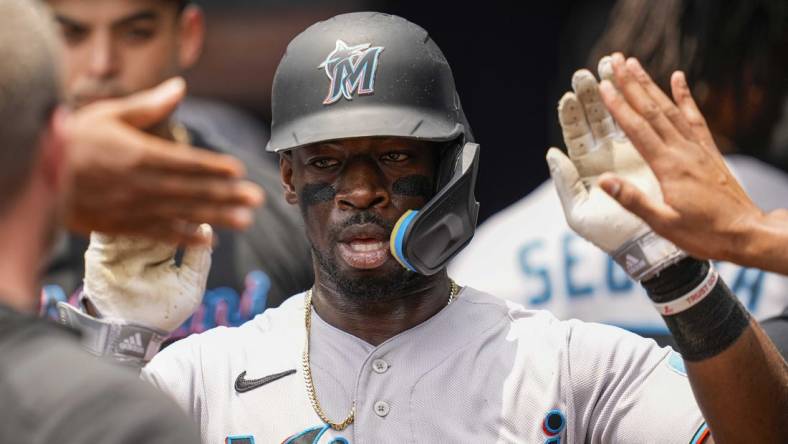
(394, 157)
(323, 163)
(73, 34)
(139, 34)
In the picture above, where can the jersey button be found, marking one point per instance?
(380, 366)
(381, 408)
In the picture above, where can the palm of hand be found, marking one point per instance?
(596, 146)
(598, 217)
(137, 280)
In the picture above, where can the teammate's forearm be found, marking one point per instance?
(765, 244)
(743, 391)
(739, 379)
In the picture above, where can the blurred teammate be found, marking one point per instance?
(228, 125)
(526, 255)
(386, 347)
(51, 390)
(117, 47)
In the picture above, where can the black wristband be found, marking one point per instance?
(676, 280)
(708, 327)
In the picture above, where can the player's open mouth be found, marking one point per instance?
(364, 246)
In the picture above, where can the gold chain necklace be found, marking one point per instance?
(454, 289)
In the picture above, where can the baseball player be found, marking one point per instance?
(377, 153)
(51, 390)
(540, 263)
(113, 48)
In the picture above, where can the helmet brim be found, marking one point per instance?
(367, 121)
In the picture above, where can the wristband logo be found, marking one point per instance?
(133, 345)
(350, 69)
(634, 264)
(692, 298)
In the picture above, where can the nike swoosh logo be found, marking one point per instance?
(244, 385)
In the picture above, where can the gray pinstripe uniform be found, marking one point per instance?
(480, 370)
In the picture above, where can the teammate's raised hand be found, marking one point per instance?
(136, 280)
(127, 181)
(596, 146)
(705, 211)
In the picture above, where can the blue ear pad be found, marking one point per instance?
(398, 237)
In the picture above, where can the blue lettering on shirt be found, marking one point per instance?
(573, 288)
(539, 272)
(748, 281)
(618, 282)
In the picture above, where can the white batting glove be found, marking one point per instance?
(135, 280)
(596, 145)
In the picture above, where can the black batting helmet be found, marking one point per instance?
(370, 74)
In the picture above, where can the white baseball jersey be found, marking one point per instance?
(528, 254)
(482, 370)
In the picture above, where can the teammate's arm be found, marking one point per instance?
(739, 379)
(129, 182)
(137, 294)
(705, 210)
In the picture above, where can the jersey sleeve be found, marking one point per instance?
(177, 372)
(625, 388)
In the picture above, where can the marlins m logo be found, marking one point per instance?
(350, 68)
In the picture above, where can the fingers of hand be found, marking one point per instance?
(605, 69)
(197, 211)
(164, 155)
(112, 242)
(651, 211)
(640, 100)
(160, 219)
(587, 90)
(667, 107)
(637, 129)
(570, 188)
(689, 109)
(197, 259)
(118, 149)
(170, 189)
(177, 232)
(146, 108)
(577, 133)
(133, 252)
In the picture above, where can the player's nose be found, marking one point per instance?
(361, 186)
(103, 59)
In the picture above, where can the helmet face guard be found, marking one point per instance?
(376, 75)
(425, 240)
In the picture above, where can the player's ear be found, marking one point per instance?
(192, 35)
(286, 174)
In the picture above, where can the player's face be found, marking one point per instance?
(351, 193)
(116, 47)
